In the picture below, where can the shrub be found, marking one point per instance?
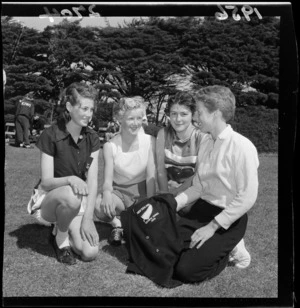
(260, 125)
(251, 98)
(152, 129)
(272, 101)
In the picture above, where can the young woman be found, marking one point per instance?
(129, 166)
(177, 145)
(67, 190)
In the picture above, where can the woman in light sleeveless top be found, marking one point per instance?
(129, 166)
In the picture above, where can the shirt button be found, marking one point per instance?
(147, 237)
(157, 250)
(78, 163)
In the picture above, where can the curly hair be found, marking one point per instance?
(128, 103)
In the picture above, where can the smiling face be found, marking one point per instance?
(132, 120)
(81, 114)
(180, 117)
(204, 118)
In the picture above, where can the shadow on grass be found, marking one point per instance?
(119, 252)
(34, 237)
(103, 229)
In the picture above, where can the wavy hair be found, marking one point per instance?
(128, 103)
(74, 94)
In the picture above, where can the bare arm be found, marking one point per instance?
(151, 170)
(162, 178)
(107, 200)
(108, 167)
(92, 182)
(88, 229)
(49, 182)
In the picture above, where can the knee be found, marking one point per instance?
(186, 272)
(69, 199)
(89, 254)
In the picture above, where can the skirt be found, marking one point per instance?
(34, 206)
(129, 194)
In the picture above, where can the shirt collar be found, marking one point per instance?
(226, 132)
(62, 132)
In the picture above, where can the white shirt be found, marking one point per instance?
(226, 175)
(130, 167)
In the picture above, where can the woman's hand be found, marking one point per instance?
(173, 184)
(108, 204)
(201, 235)
(89, 232)
(78, 185)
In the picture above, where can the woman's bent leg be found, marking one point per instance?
(116, 235)
(99, 211)
(81, 247)
(196, 265)
(61, 205)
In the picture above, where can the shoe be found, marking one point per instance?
(21, 145)
(27, 146)
(65, 254)
(239, 256)
(116, 236)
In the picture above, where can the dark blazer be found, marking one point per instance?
(153, 239)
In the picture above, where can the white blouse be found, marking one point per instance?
(130, 167)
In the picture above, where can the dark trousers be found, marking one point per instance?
(22, 129)
(211, 258)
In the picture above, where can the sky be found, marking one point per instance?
(40, 23)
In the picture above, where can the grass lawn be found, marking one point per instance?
(30, 268)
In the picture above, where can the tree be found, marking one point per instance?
(23, 60)
(234, 53)
(136, 60)
(142, 58)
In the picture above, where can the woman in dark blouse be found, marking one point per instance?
(67, 191)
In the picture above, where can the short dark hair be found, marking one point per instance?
(181, 98)
(217, 98)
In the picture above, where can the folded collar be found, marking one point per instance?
(61, 132)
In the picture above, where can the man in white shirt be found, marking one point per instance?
(225, 185)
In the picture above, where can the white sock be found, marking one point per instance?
(116, 222)
(54, 230)
(62, 239)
